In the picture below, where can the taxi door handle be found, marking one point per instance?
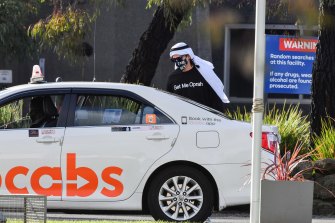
(157, 136)
(47, 140)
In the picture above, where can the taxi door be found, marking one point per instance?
(113, 141)
(30, 157)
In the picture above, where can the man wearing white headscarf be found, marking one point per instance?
(194, 78)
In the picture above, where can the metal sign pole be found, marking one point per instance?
(258, 109)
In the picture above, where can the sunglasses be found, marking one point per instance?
(177, 59)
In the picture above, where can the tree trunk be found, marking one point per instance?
(142, 66)
(323, 78)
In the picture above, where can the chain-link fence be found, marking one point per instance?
(22, 208)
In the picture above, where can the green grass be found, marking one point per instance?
(97, 221)
(85, 221)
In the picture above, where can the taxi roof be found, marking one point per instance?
(62, 85)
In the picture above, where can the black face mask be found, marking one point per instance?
(180, 62)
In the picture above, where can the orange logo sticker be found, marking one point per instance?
(150, 119)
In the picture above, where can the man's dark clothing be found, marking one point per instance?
(192, 85)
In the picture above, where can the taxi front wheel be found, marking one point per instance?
(180, 193)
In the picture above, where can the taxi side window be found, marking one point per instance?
(31, 112)
(101, 110)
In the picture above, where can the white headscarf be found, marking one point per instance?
(204, 67)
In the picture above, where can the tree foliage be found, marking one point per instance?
(14, 15)
(64, 32)
(174, 8)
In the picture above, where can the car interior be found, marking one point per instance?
(43, 112)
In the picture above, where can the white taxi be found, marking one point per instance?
(115, 146)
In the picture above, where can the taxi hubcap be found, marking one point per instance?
(180, 198)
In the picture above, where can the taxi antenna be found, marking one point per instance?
(58, 79)
(95, 29)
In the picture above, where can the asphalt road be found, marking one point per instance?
(238, 214)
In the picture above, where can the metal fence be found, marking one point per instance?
(23, 208)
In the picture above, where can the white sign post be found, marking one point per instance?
(6, 77)
(257, 109)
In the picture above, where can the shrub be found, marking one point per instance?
(10, 112)
(325, 143)
(293, 126)
(239, 115)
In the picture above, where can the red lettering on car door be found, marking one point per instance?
(118, 186)
(84, 172)
(55, 173)
(9, 181)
